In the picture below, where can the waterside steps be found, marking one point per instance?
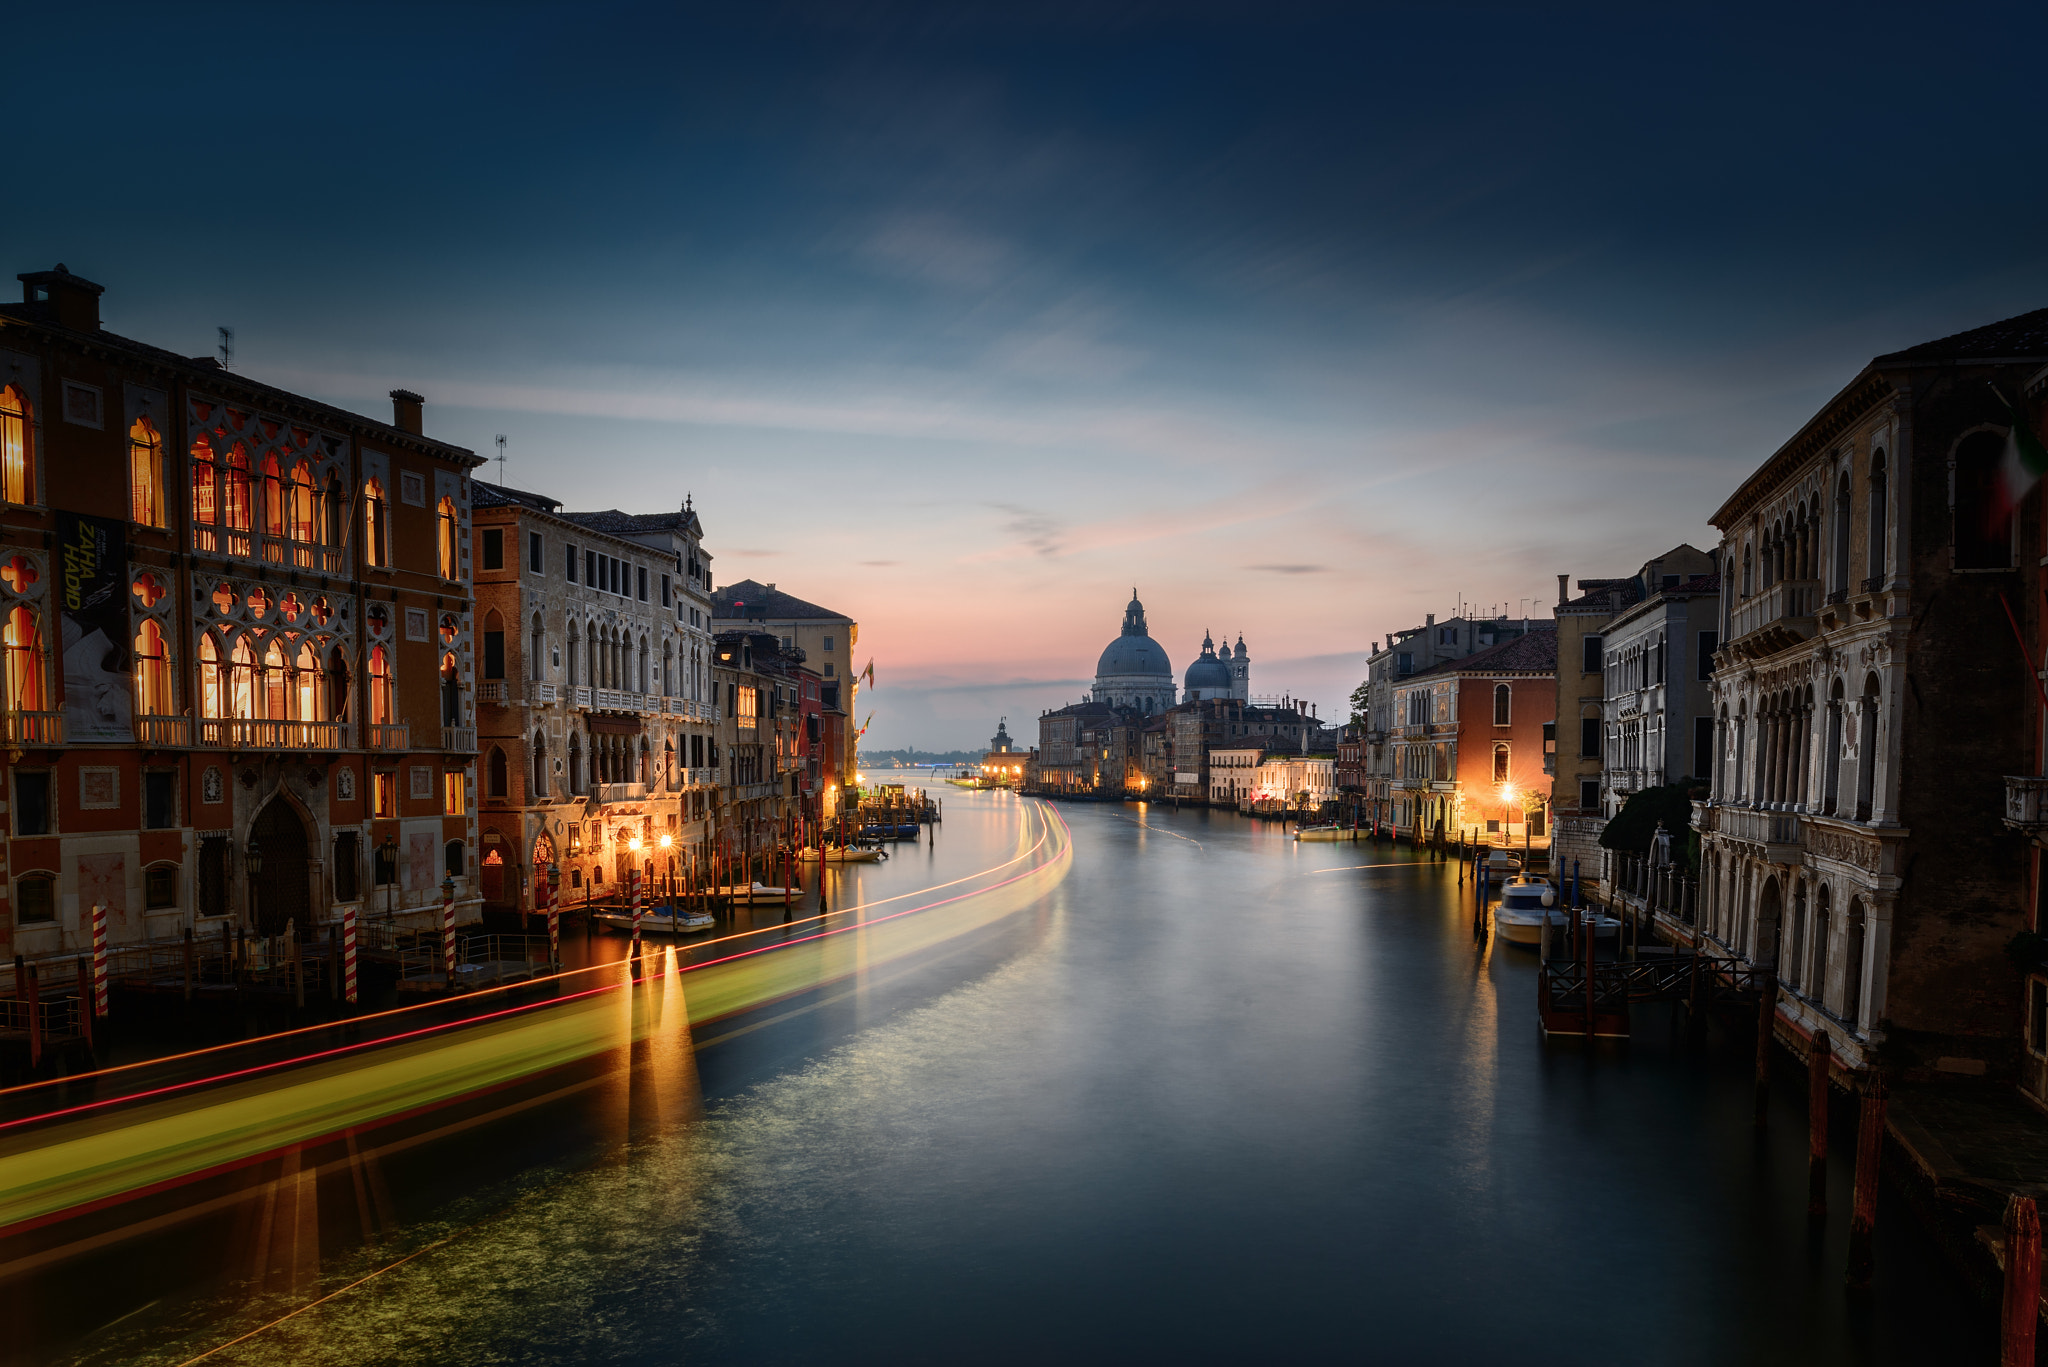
(1705, 982)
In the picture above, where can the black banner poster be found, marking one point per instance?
(92, 593)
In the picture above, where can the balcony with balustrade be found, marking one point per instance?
(458, 740)
(390, 736)
(1781, 834)
(264, 733)
(33, 728)
(620, 792)
(163, 732)
(1775, 619)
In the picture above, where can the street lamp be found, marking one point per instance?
(255, 856)
(389, 849)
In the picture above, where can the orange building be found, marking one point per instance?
(1474, 743)
(237, 644)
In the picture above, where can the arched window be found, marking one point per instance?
(213, 690)
(539, 650)
(1795, 939)
(1852, 965)
(445, 524)
(27, 671)
(17, 448)
(153, 672)
(376, 515)
(495, 769)
(1874, 553)
(1866, 748)
(276, 499)
(331, 512)
(1500, 762)
(205, 483)
(574, 660)
(1838, 568)
(274, 689)
(235, 492)
(540, 765)
(306, 684)
(302, 511)
(668, 669)
(145, 474)
(451, 691)
(575, 764)
(242, 683)
(668, 763)
(494, 645)
(380, 687)
(590, 640)
(337, 685)
(645, 756)
(1983, 519)
(641, 686)
(1831, 792)
(1817, 970)
(1746, 568)
(1501, 704)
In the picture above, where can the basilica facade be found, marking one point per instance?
(1133, 671)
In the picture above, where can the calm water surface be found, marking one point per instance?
(1216, 1096)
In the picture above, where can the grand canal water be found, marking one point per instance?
(1211, 1096)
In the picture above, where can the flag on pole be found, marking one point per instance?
(2024, 463)
(868, 674)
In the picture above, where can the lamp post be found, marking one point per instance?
(389, 849)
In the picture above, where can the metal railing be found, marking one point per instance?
(261, 733)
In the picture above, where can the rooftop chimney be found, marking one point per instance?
(406, 412)
(73, 301)
(1564, 588)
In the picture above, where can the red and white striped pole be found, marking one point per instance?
(448, 931)
(633, 875)
(99, 959)
(547, 892)
(348, 953)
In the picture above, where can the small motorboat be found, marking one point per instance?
(1527, 901)
(658, 922)
(849, 854)
(757, 892)
(1325, 832)
(892, 830)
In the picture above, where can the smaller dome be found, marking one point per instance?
(1207, 676)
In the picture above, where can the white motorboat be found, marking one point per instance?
(854, 854)
(658, 922)
(1526, 902)
(1330, 832)
(757, 892)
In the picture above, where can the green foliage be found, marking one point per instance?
(1361, 703)
(1635, 825)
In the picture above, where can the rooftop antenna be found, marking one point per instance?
(227, 348)
(501, 460)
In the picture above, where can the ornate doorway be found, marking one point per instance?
(280, 888)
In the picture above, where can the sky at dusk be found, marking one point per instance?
(1305, 322)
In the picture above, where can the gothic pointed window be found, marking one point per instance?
(145, 474)
(380, 687)
(306, 682)
(235, 492)
(376, 518)
(17, 437)
(152, 671)
(212, 687)
(445, 524)
(242, 684)
(27, 666)
(302, 514)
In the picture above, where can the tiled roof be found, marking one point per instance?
(1536, 650)
(503, 496)
(2025, 335)
(625, 524)
(752, 599)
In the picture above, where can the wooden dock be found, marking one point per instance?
(1567, 1003)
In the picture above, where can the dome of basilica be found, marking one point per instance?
(1134, 671)
(1208, 677)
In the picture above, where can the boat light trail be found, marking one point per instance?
(91, 1156)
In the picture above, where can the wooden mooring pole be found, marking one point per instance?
(2021, 1311)
(1869, 1159)
(1766, 1027)
(1817, 1060)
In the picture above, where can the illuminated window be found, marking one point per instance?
(445, 522)
(455, 793)
(744, 716)
(145, 475)
(276, 498)
(17, 482)
(242, 689)
(306, 679)
(1500, 763)
(234, 492)
(153, 672)
(380, 687)
(376, 516)
(303, 520)
(274, 689)
(1501, 699)
(23, 640)
(212, 685)
(384, 795)
(205, 484)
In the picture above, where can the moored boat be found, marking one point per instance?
(658, 923)
(758, 892)
(1527, 901)
(853, 854)
(1326, 832)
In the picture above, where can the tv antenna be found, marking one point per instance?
(501, 459)
(227, 348)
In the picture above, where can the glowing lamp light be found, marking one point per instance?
(667, 840)
(634, 843)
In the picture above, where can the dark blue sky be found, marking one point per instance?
(966, 323)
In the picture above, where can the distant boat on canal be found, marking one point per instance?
(1329, 831)
(658, 922)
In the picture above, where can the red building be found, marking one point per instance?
(237, 629)
(1471, 743)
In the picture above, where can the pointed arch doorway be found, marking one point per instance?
(281, 886)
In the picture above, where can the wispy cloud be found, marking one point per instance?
(1291, 569)
(1038, 532)
(880, 564)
